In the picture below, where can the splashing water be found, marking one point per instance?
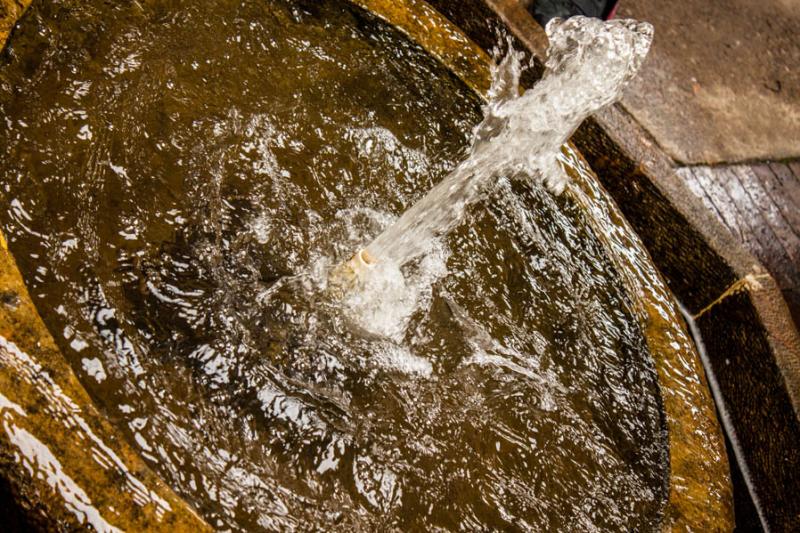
(589, 63)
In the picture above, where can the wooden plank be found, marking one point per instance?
(780, 192)
(729, 216)
(760, 206)
(787, 235)
(752, 224)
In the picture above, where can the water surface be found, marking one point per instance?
(169, 165)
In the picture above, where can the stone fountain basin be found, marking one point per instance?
(35, 375)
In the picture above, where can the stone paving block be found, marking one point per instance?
(722, 82)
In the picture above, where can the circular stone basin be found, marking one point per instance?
(180, 179)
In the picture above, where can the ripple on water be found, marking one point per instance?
(181, 176)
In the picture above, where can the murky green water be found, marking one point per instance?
(168, 165)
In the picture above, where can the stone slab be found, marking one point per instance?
(722, 82)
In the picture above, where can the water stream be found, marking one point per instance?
(589, 63)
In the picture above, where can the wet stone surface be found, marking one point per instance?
(10, 12)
